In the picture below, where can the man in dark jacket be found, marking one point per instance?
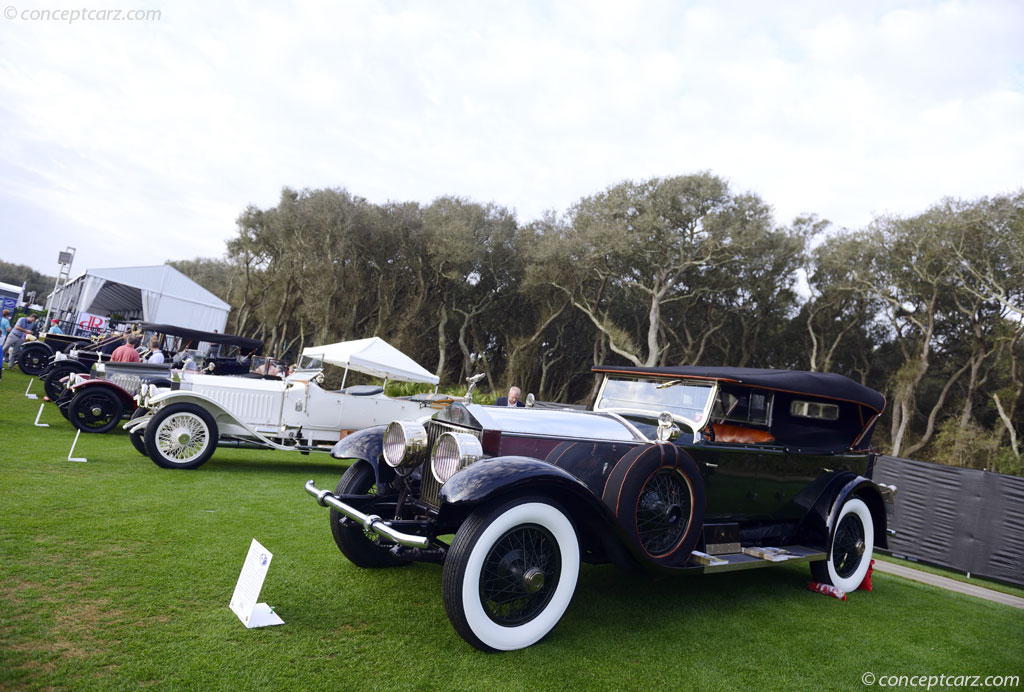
(511, 400)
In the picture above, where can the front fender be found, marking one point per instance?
(493, 479)
(89, 385)
(366, 445)
(204, 402)
(486, 479)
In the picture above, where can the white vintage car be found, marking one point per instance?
(180, 428)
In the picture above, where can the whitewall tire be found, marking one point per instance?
(853, 543)
(511, 573)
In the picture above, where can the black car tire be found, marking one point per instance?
(33, 357)
(181, 436)
(362, 548)
(657, 495)
(511, 573)
(138, 439)
(52, 384)
(95, 410)
(853, 543)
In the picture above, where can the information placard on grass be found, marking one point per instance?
(247, 590)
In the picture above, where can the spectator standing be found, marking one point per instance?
(127, 353)
(5, 328)
(54, 328)
(156, 353)
(22, 328)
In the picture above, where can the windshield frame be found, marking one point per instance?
(695, 424)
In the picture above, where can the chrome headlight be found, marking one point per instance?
(404, 444)
(454, 451)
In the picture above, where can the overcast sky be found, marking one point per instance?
(137, 141)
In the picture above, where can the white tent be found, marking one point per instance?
(158, 294)
(372, 356)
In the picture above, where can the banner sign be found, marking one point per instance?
(89, 322)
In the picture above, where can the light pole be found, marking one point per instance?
(64, 259)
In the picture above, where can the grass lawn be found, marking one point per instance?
(116, 574)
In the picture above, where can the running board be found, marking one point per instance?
(752, 558)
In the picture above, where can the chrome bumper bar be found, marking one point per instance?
(369, 522)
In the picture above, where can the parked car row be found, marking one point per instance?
(671, 471)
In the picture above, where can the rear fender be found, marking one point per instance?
(820, 525)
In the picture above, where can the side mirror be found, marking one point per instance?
(530, 400)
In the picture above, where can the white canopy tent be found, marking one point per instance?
(372, 356)
(159, 294)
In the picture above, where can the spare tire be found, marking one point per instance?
(656, 493)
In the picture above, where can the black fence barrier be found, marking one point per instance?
(964, 519)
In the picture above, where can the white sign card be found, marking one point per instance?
(247, 590)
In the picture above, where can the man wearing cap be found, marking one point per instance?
(54, 328)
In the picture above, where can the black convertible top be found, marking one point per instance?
(823, 384)
(242, 342)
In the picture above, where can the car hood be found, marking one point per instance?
(566, 423)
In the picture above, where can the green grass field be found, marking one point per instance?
(116, 574)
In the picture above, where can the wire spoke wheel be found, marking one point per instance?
(853, 542)
(510, 573)
(182, 437)
(519, 575)
(848, 546)
(664, 511)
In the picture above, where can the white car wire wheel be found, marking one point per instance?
(511, 573)
(181, 436)
(849, 555)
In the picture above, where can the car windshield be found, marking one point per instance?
(310, 362)
(688, 400)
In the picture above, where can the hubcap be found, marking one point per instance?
(533, 580)
(96, 411)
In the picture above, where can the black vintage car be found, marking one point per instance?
(227, 355)
(677, 470)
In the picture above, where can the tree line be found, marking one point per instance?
(682, 270)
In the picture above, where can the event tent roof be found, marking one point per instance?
(372, 356)
(154, 294)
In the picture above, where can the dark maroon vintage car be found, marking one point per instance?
(677, 470)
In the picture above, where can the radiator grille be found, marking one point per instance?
(430, 489)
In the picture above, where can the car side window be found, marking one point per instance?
(744, 406)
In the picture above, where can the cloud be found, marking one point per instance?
(138, 142)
